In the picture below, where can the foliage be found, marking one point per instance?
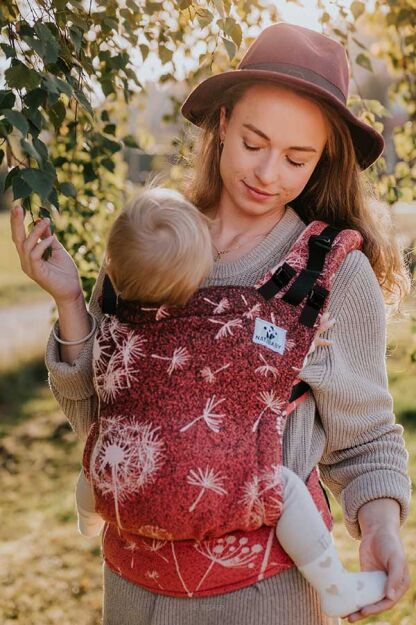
(72, 68)
(63, 149)
(392, 25)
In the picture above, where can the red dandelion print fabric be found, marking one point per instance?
(185, 457)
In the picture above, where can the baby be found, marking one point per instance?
(159, 251)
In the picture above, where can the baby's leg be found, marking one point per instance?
(305, 537)
(89, 522)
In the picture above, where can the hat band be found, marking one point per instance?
(300, 72)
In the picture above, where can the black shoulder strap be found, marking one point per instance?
(319, 246)
(305, 283)
(109, 297)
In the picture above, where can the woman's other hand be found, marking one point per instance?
(381, 550)
(58, 275)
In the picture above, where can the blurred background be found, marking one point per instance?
(89, 108)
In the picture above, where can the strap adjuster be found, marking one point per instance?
(317, 297)
(282, 275)
(317, 240)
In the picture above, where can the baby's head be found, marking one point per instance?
(159, 248)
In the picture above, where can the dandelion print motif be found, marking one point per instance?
(220, 306)
(227, 553)
(227, 327)
(271, 403)
(126, 460)
(115, 373)
(155, 546)
(261, 512)
(154, 575)
(252, 312)
(206, 480)
(266, 368)
(161, 313)
(212, 419)
(209, 376)
(177, 361)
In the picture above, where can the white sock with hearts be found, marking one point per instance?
(342, 592)
(305, 537)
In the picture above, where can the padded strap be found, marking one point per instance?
(319, 246)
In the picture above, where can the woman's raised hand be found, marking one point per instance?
(58, 275)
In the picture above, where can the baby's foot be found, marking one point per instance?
(352, 592)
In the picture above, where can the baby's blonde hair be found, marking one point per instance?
(159, 248)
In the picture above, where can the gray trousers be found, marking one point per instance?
(284, 599)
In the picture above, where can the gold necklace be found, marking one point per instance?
(221, 253)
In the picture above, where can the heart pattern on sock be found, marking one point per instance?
(360, 585)
(326, 563)
(332, 590)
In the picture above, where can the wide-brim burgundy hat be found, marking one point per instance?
(294, 56)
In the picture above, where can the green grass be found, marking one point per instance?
(15, 286)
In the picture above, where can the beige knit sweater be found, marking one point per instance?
(347, 426)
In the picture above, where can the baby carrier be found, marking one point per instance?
(184, 458)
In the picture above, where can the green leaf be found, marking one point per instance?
(8, 50)
(89, 173)
(76, 34)
(204, 17)
(41, 148)
(108, 164)
(144, 50)
(19, 76)
(110, 129)
(165, 54)
(57, 114)
(9, 178)
(230, 47)
(40, 181)
(357, 9)
(20, 188)
(55, 85)
(183, 4)
(31, 151)
(364, 61)
(35, 98)
(68, 189)
(50, 46)
(17, 120)
(1, 156)
(130, 142)
(7, 99)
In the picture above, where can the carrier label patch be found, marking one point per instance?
(269, 335)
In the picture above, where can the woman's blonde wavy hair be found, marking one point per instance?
(336, 193)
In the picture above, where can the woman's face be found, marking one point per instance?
(272, 142)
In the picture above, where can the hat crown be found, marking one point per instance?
(303, 49)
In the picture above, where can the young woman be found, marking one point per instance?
(278, 149)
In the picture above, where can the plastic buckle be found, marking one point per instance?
(317, 240)
(317, 297)
(282, 275)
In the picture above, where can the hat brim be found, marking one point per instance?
(368, 143)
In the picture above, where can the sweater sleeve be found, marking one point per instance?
(72, 385)
(364, 457)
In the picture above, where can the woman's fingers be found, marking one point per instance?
(17, 227)
(398, 580)
(37, 252)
